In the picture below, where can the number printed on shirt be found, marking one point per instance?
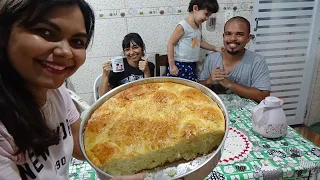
(60, 163)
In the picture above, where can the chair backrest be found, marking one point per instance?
(161, 60)
(78, 100)
(96, 86)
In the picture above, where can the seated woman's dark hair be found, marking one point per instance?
(133, 38)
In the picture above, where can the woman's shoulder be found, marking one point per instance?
(58, 98)
(59, 93)
(7, 146)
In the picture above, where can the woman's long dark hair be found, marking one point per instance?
(19, 112)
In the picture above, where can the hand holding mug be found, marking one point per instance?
(106, 67)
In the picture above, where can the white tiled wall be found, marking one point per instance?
(107, 4)
(157, 34)
(155, 3)
(107, 38)
(143, 17)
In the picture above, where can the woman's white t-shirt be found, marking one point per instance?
(60, 114)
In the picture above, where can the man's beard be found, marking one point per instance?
(233, 52)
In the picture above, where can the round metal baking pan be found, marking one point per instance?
(198, 168)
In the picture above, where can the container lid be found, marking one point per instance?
(271, 101)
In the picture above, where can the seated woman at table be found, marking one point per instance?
(39, 124)
(134, 66)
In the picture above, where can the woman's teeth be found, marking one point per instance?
(53, 66)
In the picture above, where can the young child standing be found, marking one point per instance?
(185, 41)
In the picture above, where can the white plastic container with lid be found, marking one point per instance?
(269, 119)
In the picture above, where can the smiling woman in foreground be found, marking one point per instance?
(42, 43)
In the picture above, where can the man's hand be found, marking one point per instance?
(226, 82)
(216, 75)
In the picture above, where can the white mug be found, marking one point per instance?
(117, 64)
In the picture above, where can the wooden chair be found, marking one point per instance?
(161, 60)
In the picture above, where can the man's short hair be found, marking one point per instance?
(238, 19)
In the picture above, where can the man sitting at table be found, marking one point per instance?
(237, 69)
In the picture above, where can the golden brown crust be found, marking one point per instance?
(150, 118)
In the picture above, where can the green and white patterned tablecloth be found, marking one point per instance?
(291, 157)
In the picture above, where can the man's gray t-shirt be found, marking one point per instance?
(252, 71)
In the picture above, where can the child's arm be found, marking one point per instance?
(174, 39)
(207, 46)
